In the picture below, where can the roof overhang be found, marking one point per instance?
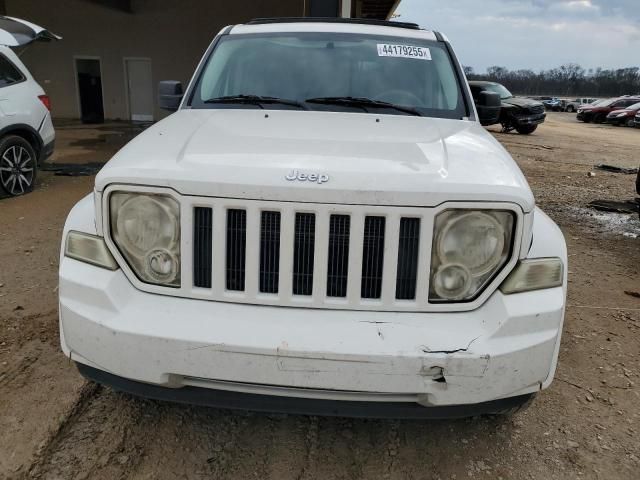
(378, 9)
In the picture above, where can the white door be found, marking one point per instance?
(140, 89)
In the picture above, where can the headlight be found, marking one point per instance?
(146, 230)
(469, 248)
(621, 115)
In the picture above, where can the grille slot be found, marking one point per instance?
(303, 250)
(236, 248)
(372, 257)
(269, 252)
(338, 255)
(202, 246)
(408, 249)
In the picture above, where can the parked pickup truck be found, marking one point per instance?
(322, 226)
(518, 113)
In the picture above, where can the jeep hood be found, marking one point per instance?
(369, 159)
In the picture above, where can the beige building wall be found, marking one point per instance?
(173, 34)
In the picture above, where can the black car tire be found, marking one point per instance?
(18, 166)
(570, 109)
(630, 123)
(526, 129)
(599, 118)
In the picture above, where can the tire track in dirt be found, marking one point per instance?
(94, 441)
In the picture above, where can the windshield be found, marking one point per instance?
(605, 103)
(499, 89)
(635, 106)
(336, 71)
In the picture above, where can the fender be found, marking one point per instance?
(33, 137)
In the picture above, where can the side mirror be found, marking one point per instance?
(488, 105)
(170, 95)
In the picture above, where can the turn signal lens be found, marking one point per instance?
(534, 274)
(89, 249)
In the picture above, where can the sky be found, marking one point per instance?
(533, 34)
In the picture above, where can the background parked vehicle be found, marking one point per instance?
(553, 104)
(624, 117)
(26, 131)
(637, 120)
(573, 105)
(516, 113)
(598, 112)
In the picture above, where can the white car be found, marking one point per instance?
(323, 226)
(26, 131)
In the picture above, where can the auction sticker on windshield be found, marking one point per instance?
(403, 51)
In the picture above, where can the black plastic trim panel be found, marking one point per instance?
(295, 405)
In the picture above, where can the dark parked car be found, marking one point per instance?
(637, 120)
(516, 113)
(553, 103)
(625, 116)
(597, 112)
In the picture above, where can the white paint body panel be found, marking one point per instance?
(495, 347)
(19, 103)
(400, 160)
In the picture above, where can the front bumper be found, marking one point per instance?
(584, 116)
(534, 119)
(307, 406)
(506, 348)
(617, 120)
(502, 349)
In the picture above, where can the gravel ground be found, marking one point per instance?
(55, 425)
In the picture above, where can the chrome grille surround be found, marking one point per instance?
(319, 297)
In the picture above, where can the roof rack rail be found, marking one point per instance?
(359, 21)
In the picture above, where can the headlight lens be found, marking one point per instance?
(469, 247)
(146, 230)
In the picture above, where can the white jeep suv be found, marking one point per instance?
(323, 226)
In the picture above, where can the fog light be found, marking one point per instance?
(534, 274)
(452, 281)
(161, 265)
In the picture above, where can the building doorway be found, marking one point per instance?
(139, 89)
(89, 78)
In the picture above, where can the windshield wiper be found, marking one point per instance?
(363, 103)
(258, 100)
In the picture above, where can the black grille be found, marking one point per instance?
(202, 246)
(303, 248)
(338, 262)
(236, 248)
(408, 245)
(269, 252)
(372, 257)
(536, 109)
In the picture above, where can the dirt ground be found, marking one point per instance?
(55, 425)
